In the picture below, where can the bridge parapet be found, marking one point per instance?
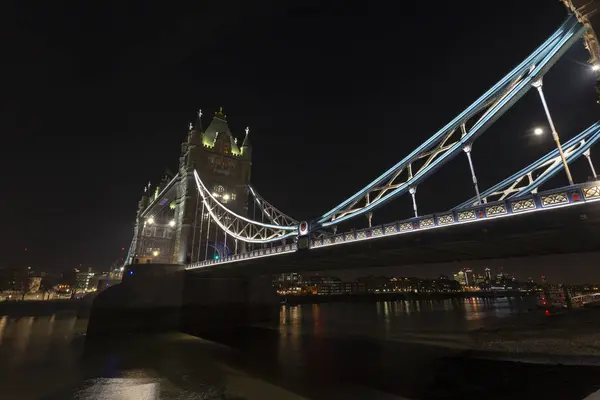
(562, 197)
(552, 199)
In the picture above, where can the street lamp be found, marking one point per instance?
(155, 253)
(150, 221)
(538, 131)
(596, 67)
(172, 223)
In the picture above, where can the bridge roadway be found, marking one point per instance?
(558, 231)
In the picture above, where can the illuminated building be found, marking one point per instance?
(488, 274)
(355, 288)
(172, 231)
(461, 278)
(468, 276)
(325, 285)
(84, 281)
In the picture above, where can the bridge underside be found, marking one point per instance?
(566, 230)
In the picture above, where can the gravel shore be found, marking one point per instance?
(573, 332)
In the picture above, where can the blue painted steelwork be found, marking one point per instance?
(562, 197)
(589, 136)
(494, 103)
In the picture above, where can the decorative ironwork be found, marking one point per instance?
(424, 223)
(498, 209)
(407, 226)
(591, 192)
(377, 232)
(339, 239)
(446, 219)
(390, 229)
(349, 237)
(466, 215)
(554, 199)
(523, 205)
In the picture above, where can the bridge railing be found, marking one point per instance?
(561, 197)
(551, 199)
(254, 254)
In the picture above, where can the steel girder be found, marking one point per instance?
(459, 133)
(275, 216)
(524, 183)
(239, 227)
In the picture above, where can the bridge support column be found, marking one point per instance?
(413, 191)
(467, 149)
(538, 85)
(589, 158)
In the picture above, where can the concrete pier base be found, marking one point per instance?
(213, 303)
(164, 297)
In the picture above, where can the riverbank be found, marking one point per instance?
(573, 332)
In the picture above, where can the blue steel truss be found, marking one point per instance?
(459, 133)
(524, 183)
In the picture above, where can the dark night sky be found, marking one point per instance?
(97, 100)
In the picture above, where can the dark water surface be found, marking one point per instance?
(386, 350)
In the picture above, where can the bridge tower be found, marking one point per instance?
(225, 167)
(171, 225)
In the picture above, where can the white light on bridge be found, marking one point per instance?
(172, 223)
(538, 131)
(150, 221)
(155, 253)
(225, 197)
(596, 67)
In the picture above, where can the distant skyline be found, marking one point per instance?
(576, 268)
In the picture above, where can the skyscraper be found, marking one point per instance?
(469, 276)
(488, 274)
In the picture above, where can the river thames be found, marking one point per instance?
(384, 350)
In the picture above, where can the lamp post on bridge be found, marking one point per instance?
(467, 149)
(413, 191)
(589, 158)
(538, 85)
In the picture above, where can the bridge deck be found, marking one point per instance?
(565, 230)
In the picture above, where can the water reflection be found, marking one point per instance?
(387, 319)
(312, 341)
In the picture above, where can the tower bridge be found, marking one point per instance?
(205, 242)
(208, 215)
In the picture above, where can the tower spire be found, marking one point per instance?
(198, 124)
(246, 142)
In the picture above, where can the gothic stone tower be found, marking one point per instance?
(223, 166)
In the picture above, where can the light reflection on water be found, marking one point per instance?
(386, 319)
(48, 350)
